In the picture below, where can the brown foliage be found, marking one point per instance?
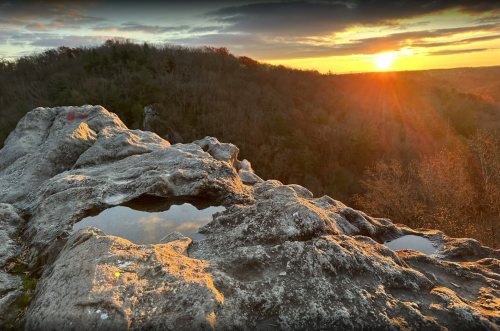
(391, 193)
(456, 191)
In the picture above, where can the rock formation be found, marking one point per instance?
(276, 259)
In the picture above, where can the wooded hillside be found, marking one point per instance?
(418, 147)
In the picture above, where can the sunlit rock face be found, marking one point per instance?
(107, 283)
(276, 259)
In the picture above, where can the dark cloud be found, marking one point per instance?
(292, 18)
(136, 27)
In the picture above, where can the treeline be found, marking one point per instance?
(297, 126)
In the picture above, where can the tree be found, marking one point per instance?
(391, 192)
(485, 149)
(448, 193)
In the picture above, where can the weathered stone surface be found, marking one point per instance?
(10, 285)
(46, 143)
(220, 151)
(102, 282)
(114, 145)
(10, 225)
(247, 175)
(150, 118)
(10, 291)
(276, 259)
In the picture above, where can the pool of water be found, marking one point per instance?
(148, 220)
(415, 243)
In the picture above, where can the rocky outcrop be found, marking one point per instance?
(154, 123)
(276, 259)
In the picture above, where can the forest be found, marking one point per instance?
(421, 148)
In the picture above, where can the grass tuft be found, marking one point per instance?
(25, 300)
(29, 283)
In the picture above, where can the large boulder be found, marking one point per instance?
(46, 142)
(276, 259)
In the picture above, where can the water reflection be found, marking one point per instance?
(415, 243)
(148, 220)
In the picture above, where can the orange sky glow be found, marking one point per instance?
(406, 57)
(340, 36)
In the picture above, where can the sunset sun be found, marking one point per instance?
(384, 60)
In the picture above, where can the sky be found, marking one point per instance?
(337, 36)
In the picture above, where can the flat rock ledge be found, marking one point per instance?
(276, 259)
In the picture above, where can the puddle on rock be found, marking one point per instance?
(413, 242)
(147, 220)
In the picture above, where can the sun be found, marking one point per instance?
(384, 60)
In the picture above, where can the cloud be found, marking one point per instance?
(17, 38)
(487, 20)
(61, 13)
(37, 27)
(202, 29)
(105, 28)
(69, 41)
(267, 29)
(305, 18)
(48, 39)
(135, 27)
(411, 25)
(396, 41)
(458, 51)
(263, 47)
(457, 42)
(478, 39)
(75, 20)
